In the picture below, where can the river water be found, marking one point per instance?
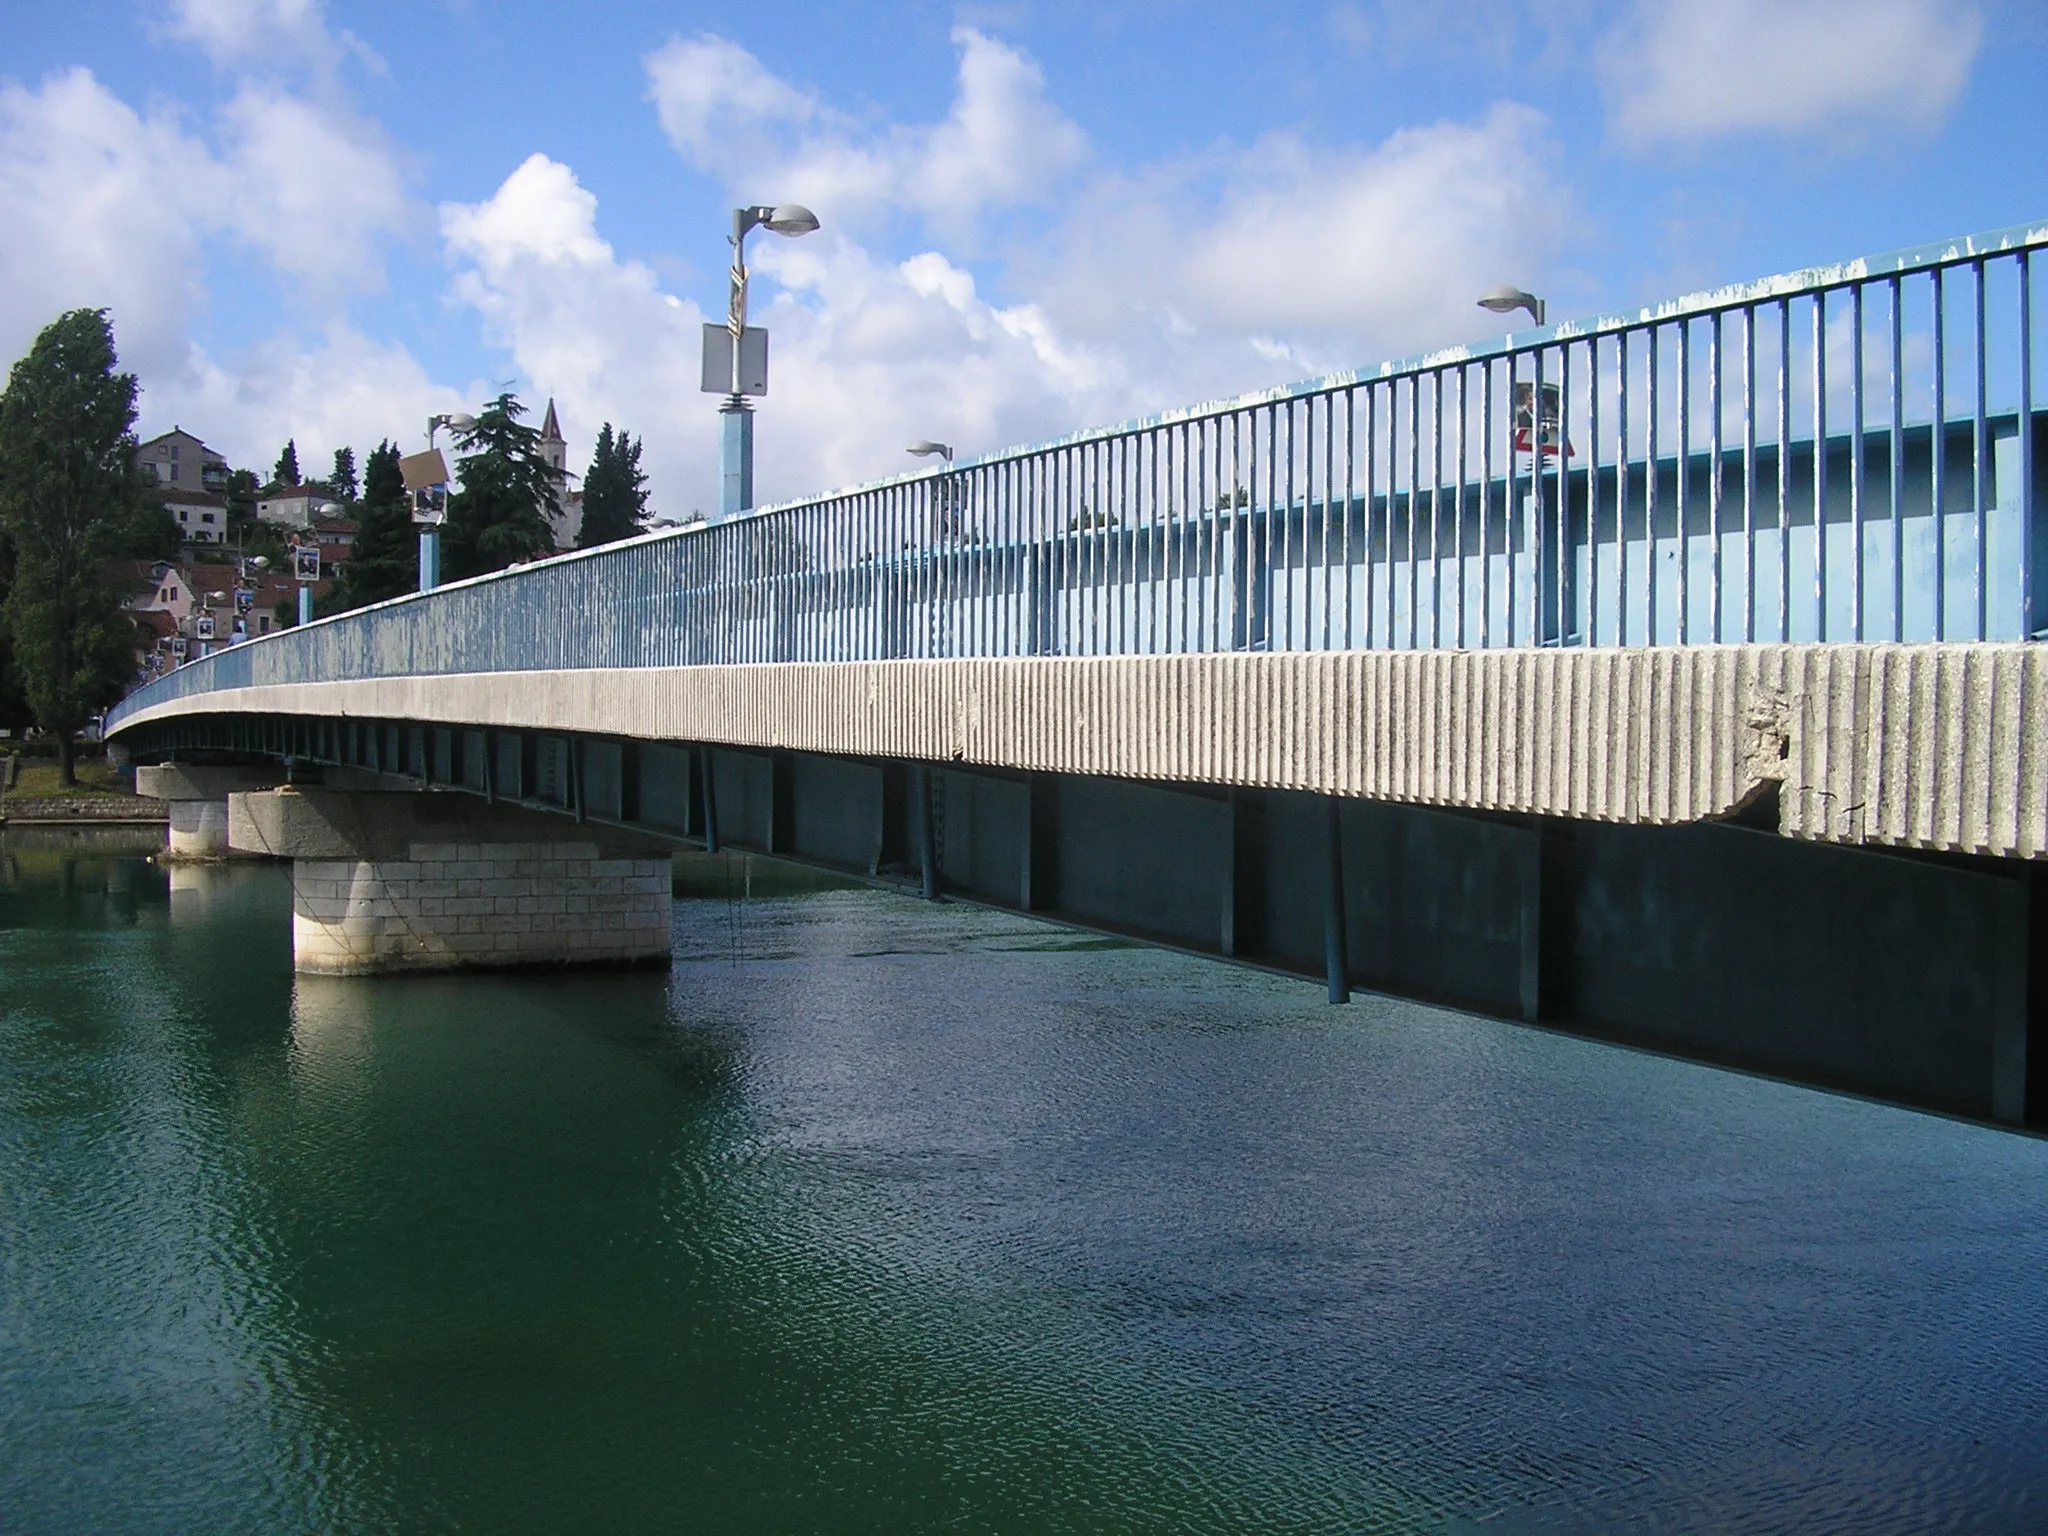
(880, 1216)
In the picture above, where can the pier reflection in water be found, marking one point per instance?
(879, 1216)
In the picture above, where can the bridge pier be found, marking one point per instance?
(197, 795)
(386, 882)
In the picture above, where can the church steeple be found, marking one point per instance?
(551, 429)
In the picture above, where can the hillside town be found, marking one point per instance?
(243, 547)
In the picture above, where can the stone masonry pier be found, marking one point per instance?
(198, 799)
(407, 881)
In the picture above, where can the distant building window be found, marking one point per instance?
(206, 517)
(174, 471)
(174, 452)
(184, 515)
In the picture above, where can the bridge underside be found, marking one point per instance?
(1920, 978)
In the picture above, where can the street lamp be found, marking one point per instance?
(426, 479)
(743, 351)
(1505, 300)
(924, 448)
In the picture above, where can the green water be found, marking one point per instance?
(875, 1216)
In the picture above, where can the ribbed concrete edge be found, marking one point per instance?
(1936, 746)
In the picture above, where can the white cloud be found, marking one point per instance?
(1002, 144)
(240, 34)
(344, 389)
(1244, 267)
(1705, 68)
(315, 188)
(868, 353)
(105, 208)
(582, 325)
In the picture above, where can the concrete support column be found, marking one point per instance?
(198, 800)
(420, 882)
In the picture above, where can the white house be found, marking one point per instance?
(297, 506)
(202, 517)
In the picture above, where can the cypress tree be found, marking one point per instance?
(287, 471)
(343, 480)
(614, 492)
(384, 560)
(68, 488)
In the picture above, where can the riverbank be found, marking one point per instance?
(31, 794)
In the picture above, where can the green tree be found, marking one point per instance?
(287, 471)
(242, 491)
(384, 560)
(343, 481)
(614, 492)
(499, 515)
(67, 490)
(14, 711)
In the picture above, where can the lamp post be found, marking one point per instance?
(433, 511)
(1505, 300)
(736, 435)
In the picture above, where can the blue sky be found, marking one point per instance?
(326, 221)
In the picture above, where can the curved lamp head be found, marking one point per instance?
(924, 448)
(791, 219)
(1505, 300)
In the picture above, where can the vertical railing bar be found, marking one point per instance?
(1436, 511)
(1350, 500)
(1896, 470)
(1684, 480)
(1856, 409)
(1458, 499)
(1372, 428)
(1714, 407)
(1621, 487)
(1977, 447)
(2023, 493)
(1784, 470)
(1414, 495)
(1287, 535)
(1565, 558)
(1650, 479)
(1240, 533)
(1820, 465)
(1749, 474)
(1593, 489)
(1938, 449)
(1266, 605)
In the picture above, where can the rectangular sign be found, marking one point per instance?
(423, 469)
(717, 371)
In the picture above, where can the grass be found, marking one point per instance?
(38, 781)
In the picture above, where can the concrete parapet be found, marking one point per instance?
(387, 883)
(1924, 746)
(197, 795)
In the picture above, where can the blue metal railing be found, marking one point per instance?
(1844, 454)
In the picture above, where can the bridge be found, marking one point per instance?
(1668, 677)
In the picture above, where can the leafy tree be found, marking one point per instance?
(614, 492)
(242, 490)
(287, 471)
(148, 531)
(14, 711)
(68, 486)
(343, 481)
(500, 514)
(384, 560)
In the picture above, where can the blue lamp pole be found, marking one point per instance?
(736, 427)
(430, 526)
